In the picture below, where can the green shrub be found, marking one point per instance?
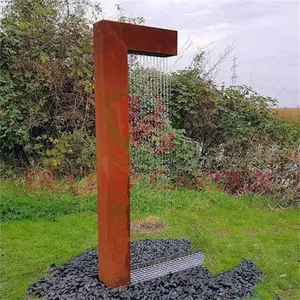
(225, 121)
(71, 151)
(46, 77)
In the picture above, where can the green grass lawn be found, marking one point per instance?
(41, 228)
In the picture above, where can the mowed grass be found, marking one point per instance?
(291, 115)
(19, 204)
(225, 228)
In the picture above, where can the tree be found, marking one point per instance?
(46, 77)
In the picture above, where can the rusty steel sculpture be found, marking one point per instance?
(113, 41)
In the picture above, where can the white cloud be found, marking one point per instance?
(266, 35)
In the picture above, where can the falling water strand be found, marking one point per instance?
(149, 92)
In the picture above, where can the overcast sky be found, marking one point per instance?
(265, 35)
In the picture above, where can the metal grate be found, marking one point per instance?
(167, 267)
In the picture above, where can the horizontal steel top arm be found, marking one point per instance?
(140, 39)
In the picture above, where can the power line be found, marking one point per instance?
(271, 76)
(280, 91)
(251, 75)
(274, 88)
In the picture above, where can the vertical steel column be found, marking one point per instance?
(112, 43)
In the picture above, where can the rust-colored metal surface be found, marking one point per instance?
(112, 42)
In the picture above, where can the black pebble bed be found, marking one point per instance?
(78, 278)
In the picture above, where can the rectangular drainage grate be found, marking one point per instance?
(167, 267)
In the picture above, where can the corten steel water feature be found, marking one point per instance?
(112, 43)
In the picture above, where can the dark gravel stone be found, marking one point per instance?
(77, 279)
(148, 252)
